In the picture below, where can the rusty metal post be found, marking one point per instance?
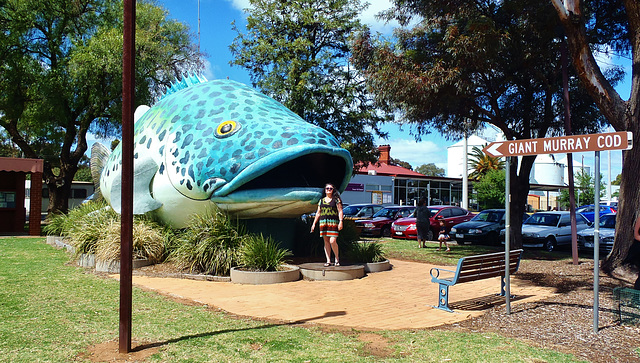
(126, 228)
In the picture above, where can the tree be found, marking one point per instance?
(468, 63)
(592, 26)
(618, 180)
(490, 188)
(430, 170)
(296, 51)
(585, 189)
(401, 163)
(482, 163)
(61, 76)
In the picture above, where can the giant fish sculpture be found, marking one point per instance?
(221, 142)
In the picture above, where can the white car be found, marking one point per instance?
(550, 229)
(607, 234)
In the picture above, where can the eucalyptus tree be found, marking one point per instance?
(61, 76)
(297, 51)
(612, 27)
(457, 65)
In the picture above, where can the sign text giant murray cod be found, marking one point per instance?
(622, 140)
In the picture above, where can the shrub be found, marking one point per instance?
(366, 252)
(148, 241)
(261, 253)
(210, 244)
(85, 224)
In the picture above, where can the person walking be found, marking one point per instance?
(423, 224)
(330, 215)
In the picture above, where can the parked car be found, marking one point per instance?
(380, 224)
(607, 234)
(588, 211)
(360, 211)
(405, 228)
(483, 228)
(550, 229)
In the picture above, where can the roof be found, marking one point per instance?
(389, 170)
(23, 165)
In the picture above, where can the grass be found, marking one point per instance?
(408, 250)
(51, 311)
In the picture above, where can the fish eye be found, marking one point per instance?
(227, 128)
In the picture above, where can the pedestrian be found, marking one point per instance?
(423, 225)
(443, 237)
(330, 215)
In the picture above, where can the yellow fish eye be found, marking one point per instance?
(227, 128)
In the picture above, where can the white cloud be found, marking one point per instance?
(240, 4)
(418, 153)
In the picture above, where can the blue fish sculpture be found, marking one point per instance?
(224, 143)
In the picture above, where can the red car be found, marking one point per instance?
(380, 224)
(452, 215)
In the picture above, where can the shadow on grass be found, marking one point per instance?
(213, 333)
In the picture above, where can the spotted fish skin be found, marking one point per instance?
(223, 142)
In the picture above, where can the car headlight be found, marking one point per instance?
(475, 231)
(369, 225)
(411, 227)
(453, 229)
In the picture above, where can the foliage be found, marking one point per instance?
(210, 244)
(148, 241)
(617, 180)
(296, 51)
(490, 188)
(261, 253)
(481, 163)
(430, 170)
(584, 189)
(61, 76)
(401, 163)
(366, 252)
(456, 66)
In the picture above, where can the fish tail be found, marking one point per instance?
(99, 155)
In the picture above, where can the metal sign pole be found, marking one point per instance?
(596, 243)
(507, 230)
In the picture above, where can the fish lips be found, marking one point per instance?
(298, 172)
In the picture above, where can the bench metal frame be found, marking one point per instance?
(472, 268)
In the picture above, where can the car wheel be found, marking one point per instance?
(385, 232)
(430, 235)
(549, 244)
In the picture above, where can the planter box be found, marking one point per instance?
(114, 266)
(87, 260)
(377, 266)
(239, 276)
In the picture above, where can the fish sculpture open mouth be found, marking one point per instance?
(223, 143)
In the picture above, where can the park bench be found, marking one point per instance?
(473, 268)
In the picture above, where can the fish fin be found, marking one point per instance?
(140, 111)
(186, 81)
(99, 156)
(143, 172)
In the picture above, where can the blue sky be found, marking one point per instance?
(216, 34)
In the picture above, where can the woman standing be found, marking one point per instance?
(330, 215)
(423, 224)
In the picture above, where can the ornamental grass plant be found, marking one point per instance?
(148, 241)
(366, 252)
(261, 253)
(210, 244)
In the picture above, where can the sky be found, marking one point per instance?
(217, 34)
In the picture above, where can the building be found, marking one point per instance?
(384, 183)
(13, 173)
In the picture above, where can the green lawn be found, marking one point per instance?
(51, 311)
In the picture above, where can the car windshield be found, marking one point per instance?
(434, 211)
(488, 216)
(351, 210)
(543, 219)
(608, 221)
(385, 213)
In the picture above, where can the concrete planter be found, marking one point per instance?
(288, 274)
(377, 266)
(114, 266)
(87, 260)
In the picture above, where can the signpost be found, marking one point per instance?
(622, 140)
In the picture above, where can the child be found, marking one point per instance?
(443, 236)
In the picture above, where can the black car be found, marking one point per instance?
(484, 228)
(360, 211)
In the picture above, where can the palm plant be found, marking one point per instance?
(481, 163)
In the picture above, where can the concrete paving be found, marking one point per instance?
(401, 298)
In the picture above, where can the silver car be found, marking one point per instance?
(550, 229)
(607, 234)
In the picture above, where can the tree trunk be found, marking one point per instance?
(519, 192)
